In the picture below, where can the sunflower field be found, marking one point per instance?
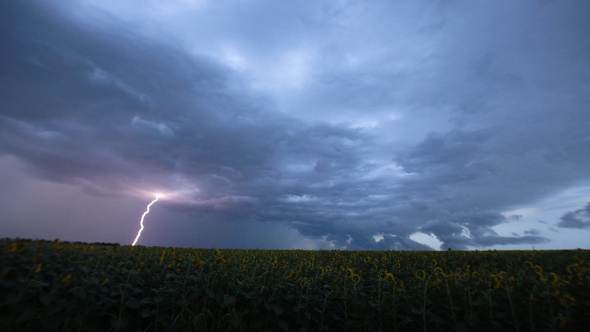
(89, 287)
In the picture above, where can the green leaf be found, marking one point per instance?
(146, 301)
(278, 310)
(132, 303)
(227, 300)
(118, 323)
(418, 310)
(147, 312)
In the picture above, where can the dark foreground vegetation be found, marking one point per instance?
(80, 287)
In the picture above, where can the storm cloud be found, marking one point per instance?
(576, 219)
(324, 125)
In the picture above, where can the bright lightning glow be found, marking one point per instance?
(142, 217)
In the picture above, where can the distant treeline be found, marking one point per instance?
(64, 242)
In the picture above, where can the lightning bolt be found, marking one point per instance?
(142, 217)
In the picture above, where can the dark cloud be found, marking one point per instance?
(328, 125)
(576, 219)
(113, 106)
(462, 230)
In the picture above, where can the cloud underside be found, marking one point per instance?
(118, 112)
(576, 219)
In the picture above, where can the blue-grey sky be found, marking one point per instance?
(297, 124)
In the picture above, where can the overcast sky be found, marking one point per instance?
(297, 124)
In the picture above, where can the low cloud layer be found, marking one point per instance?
(326, 124)
(576, 219)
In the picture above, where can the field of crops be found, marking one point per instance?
(51, 285)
